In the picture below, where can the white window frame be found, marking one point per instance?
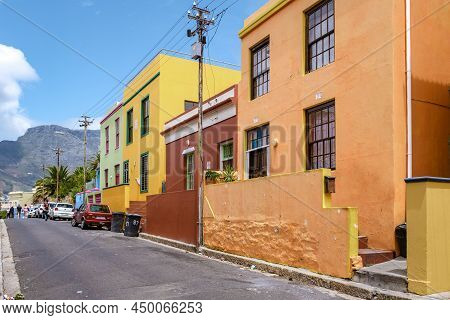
(192, 173)
(222, 159)
(247, 155)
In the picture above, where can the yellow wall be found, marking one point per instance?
(177, 81)
(428, 237)
(284, 219)
(116, 198)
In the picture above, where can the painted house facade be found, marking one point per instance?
(166, 87)
(324, 86)
(323, 94)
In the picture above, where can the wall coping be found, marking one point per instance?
(427, 179)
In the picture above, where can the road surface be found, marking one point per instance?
(56, 261)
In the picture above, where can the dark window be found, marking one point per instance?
(117, 174)
(126, 173)
(106, 140)
(320, 35)
(260, 69)
(145, 116)
(189, 105)
(226, 155)
(106, 178)
(117, 123)
(144, 172)
(257, 151)
(321, 132)
(130, 126)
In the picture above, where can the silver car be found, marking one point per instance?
(61, 211)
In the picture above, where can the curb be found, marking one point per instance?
(348, 287)
(10, 281)
(169, 242)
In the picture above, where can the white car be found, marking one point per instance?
(61, 211)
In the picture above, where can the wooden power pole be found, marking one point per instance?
(201, 17)
(85, 122)
(58, 152)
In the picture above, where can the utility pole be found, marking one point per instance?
(85, 122)
(58, 152)
(200, 16)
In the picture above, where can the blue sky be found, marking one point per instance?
(115, 34)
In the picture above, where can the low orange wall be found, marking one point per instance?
(116, 197)
(284, 219)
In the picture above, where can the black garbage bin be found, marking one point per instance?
(117, 222)
(400, 235)
(132, 222)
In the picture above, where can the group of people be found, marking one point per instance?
(21, 213)
(18, 212)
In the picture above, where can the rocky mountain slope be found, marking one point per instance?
(21, 161)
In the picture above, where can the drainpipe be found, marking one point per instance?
(408, 88)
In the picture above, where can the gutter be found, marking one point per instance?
(408, 88)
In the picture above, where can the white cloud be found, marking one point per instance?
(14, 69)
(87, 3)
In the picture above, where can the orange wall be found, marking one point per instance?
(283, 219)
(430, 87)
(367, 82)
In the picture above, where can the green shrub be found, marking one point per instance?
(3, 214)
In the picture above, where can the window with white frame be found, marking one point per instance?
(226, 154)
(190, 171)
(258, 152)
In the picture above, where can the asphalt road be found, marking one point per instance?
(56, 261)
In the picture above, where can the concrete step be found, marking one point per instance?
(363, 242)
(374, 256)
(390, 275)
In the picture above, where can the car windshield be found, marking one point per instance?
(99, 208)
(65, 205)
(52, 205)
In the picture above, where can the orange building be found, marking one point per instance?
(324, 85)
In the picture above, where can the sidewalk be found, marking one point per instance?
(348, 287)
(9, 281)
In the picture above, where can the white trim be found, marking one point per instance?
(408, 88)
(206, 106)
(188, 150)
(210, 119)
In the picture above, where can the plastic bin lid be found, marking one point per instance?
(134, 215)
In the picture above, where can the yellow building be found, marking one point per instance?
(166, 87)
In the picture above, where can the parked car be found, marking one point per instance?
(98, 215)
(34, 211)
(61, 211)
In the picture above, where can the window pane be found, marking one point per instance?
(313, 50)
(319, 61)
(324, 12)
(332, 40)
(325, 43)
(330, 8)
(326, 58)
(324, 27)
(317, 31)
(311, 35)
(310, 21)
(331, 23)
(319, 46)
(331, 54)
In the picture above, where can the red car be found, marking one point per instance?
(91, 214)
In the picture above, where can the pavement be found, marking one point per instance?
(56, 261)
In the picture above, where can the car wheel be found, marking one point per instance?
(74, 223)
(84, 225)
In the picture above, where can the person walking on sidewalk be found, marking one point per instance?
(25, 211)
(11, 212)
(45, 209)
(19, 211)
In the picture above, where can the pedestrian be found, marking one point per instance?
(19, 211)
(25, 211)
(11, 212)
(45, 209)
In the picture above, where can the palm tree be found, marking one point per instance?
(46, 187)
(94, 162)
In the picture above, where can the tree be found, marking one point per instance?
(46, 187)
(94, 162)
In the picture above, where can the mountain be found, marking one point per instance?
(21, 161)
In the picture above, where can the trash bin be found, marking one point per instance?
(117, 222)
(132, 222)
(400, 236)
